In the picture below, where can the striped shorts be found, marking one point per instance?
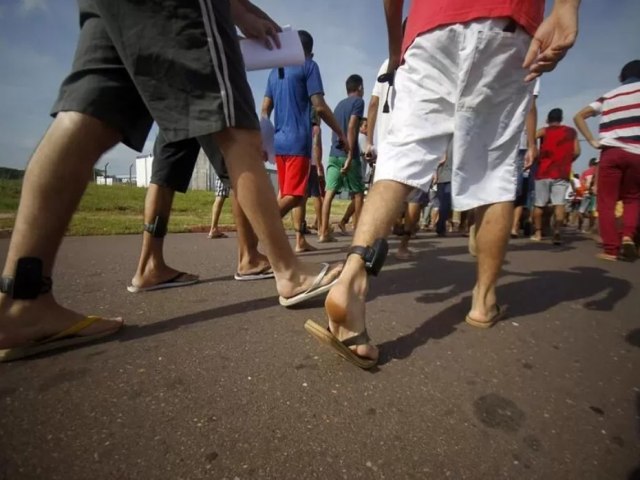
(223, 189)
(178, 63)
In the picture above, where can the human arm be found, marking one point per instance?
(372, 117)
(576, 148)
(316, 149)
(393, 14)
(325, 113)
(254, 23)
(580, 121)
(267, 107)
(532, 144)
(352, 137)
(553, 38)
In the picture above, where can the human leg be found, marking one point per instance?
(609, 179)
(57, 174)
(242, 150)
(411, 219)
(542, 196)
(251, 263)
(222, 193)
(346, 218)
(444, 200)
(630, 196)
(334, 183)
(492, 225)
(345, 304)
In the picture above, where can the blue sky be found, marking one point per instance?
(37, 41)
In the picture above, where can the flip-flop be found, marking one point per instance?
(500, 312)
(313, 291)
(173, 282)
(66, 338)
(217, 235)
(325, 336)
(263, 274)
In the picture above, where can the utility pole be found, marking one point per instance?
(130, 168)
(105, 172)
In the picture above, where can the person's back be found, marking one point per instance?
(291, 89)
(557, 152)
(352, 105)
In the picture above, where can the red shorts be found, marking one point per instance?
(293, 175)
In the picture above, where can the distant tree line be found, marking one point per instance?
(15, 174)
(11, 174)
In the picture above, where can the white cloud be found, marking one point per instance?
(31, 6)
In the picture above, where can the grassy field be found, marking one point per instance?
(117, 209)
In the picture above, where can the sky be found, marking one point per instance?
(38, 37)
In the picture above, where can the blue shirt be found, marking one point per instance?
(352, 105)
(292, 106)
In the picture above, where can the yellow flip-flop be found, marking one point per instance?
(66, 338)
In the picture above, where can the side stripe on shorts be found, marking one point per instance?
(219, 60)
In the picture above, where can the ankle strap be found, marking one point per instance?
(28, 281)
(373, 256)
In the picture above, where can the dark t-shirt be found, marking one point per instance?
(353, 105)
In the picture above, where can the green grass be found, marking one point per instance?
(117, 209)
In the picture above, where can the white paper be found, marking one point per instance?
(267, 130)
(258, 57)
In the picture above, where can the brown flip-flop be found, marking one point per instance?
(325, 336)
(500, 312)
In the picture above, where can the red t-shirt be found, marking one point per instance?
(586, 179)
(426, 15)
(556, 153)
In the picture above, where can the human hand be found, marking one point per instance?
(343, 142)
(553, 39)
(347, 165)
(320, 170)
(259, 28)
(530, 156)
(595, 144)
(370, 153)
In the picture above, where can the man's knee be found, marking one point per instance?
(96, 133)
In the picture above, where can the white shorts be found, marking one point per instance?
(468, 79)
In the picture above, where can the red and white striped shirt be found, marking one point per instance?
(620, 123)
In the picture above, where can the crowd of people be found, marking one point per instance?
(445, 121)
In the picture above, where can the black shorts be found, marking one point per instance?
(523, 193)
(173, 162)
(314, 188)
(138, 60)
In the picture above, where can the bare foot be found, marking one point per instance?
(405, 254)
(157, 275)
(343, 227)
(483, 310)
(253, 266)
(306, 275)
(215, 233)
(24, 322)
(345, 307)
(304, 246)
(327, 239)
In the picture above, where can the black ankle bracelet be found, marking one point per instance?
(373, 256)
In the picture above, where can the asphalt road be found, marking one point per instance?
(218, 381)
